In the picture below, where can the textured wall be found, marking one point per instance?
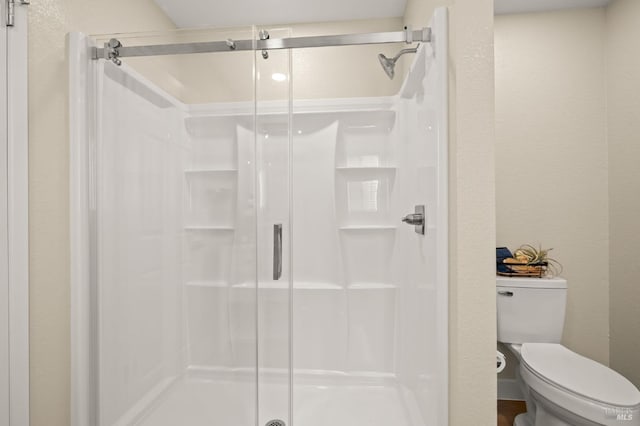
(623, 102)
(551, 157)
(472, 328)
(327, 72)
(49, 21)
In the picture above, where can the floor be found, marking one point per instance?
(508, 410)
(205, 402)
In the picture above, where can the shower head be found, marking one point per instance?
(389, 64)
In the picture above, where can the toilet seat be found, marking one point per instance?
(578, 384)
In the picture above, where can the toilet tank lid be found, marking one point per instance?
(528, 282)
(580, 375)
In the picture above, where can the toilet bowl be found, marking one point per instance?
(561, 387)
(569, 389)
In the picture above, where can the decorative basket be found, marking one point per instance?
(537, 270)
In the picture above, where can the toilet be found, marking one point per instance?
(561, 387)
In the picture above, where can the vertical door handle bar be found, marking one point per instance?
(277, 251)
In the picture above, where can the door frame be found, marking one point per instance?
(14, 220)
(81, 70)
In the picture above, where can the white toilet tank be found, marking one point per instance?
(530, 310)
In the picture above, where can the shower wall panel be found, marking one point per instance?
(316, 259)
(343, 289)
(138, 212)
(421, 261)
(219, 243)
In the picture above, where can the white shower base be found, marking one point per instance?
(204, 402)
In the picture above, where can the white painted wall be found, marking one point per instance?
(551, 157)
(597, 85)
(622, 44)
(353, 71)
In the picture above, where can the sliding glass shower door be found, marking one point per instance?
(190, 180)
(265, 233)
(368, 238)
(274, 222)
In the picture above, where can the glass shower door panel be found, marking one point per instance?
(175, 237)
(344, 235)
(273, 134)
(364, 283)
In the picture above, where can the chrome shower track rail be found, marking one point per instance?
(406, 36)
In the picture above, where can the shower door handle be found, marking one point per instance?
(277, 251)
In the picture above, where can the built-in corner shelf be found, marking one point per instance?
(286, 285)
(209, 228)
(371, 286)
(211, 284)
(368, 228)
(366, 168)
(297, 285)
(206, 171)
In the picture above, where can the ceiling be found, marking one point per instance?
(523, 6)
(227, 13)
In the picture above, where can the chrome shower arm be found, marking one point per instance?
(408, 50)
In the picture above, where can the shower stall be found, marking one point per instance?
(255, 241)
